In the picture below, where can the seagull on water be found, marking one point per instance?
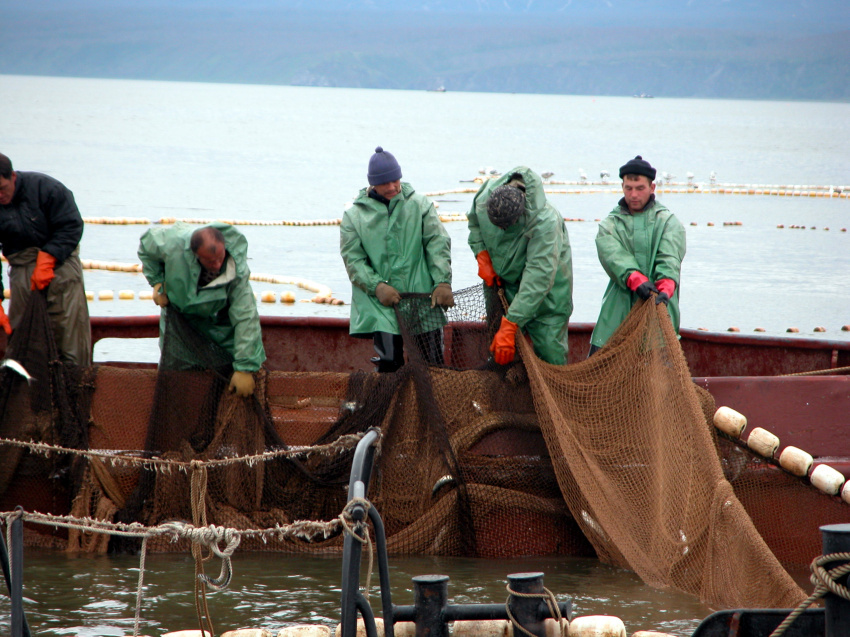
(582, 176)
(546, 175)
(604, 176)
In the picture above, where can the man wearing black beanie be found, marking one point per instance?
(641, 246)
(392, 241)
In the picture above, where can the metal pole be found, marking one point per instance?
(526, 610)
(17, 591)
(430, 595)
(836, 539)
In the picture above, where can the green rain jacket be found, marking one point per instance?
(404, 245)
(532, 257)
(225, 310)
(652, 242)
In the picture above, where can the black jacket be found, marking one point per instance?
(42, 214)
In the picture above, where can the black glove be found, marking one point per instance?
(645, 290)
(662, 298)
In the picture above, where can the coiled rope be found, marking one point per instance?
(352, 527)
(825, 581)
(551, 603)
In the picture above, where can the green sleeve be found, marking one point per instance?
(152, 255)
(616, 259)
(476, 242)
(248, 351)
(437, 245)
(671, 251)
(356, 260)
(538, 276)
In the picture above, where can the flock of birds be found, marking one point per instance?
(666, 177)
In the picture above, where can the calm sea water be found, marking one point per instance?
(153, 150)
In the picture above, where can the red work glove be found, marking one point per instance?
(666, 288)
(640, 284)
(504, 343)
(485, 269)
(4, 321)
(43, 273)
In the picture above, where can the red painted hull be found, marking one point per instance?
(742, 372)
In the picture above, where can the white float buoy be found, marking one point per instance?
(552, 628)
(250, 632)
(827, 479)
(361, 628)
(845, 492)
(305, 630)
(597, 626)
(106, 295)
(646, 633)
(483, 628)
(188, 633)
(89, 295)
(730, 421)
(268, 297)
(796, 461)
(763, 442)
(126, 295)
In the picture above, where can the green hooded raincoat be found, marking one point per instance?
(225, 310)
(651, 242)
(405, 246)
(534, 260)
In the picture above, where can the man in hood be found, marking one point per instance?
(521, 243)
(204, 274)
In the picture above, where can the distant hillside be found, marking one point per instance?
(601, 48)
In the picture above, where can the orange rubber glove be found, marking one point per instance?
(4, 321)
(504, 343)
(485, 269)
(43, 273)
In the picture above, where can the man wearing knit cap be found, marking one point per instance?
(521, 243)
(393, 242)
(641, 246)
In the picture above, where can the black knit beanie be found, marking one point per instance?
(505, 206)
(638, 166)
(383, 168)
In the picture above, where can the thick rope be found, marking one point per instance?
(341, 444)
(833, 371)
(825, 581)
(551, 604)
(140, 586)
(198, 496)
(351, 527)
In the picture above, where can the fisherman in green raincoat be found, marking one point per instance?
(641, 246)
(520, 241)
(392, 241)
(204, 274)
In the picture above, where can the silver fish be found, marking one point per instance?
(17, 367)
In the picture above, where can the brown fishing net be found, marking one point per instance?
(626, 468)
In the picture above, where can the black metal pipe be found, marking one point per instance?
(836, 539)
(473, 612)
(17, 592)
(383, 572)
(430, 595)
(361, 471)
(526, 610)
(368, 616)
(361, 464)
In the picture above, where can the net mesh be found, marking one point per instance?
(627, 466)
